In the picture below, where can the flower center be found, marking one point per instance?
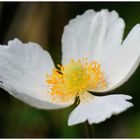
(74, 79)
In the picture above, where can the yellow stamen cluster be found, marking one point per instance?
(74, 79)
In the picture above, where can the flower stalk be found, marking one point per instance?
(90, 132)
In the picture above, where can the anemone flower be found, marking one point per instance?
(94, 60)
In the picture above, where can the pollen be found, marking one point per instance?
(75, 79)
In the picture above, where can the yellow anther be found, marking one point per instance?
(74, 79)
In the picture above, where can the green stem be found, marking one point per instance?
(89, 130)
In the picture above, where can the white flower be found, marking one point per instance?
(94, 59)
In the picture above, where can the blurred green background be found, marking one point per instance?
(43, 23)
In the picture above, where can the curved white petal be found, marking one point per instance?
(23, 69)
(99, 109)
(124, 61)
(95, 35)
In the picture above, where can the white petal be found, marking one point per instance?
(124, 61)
(23, 69)
(94, 35)
(99, 109)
